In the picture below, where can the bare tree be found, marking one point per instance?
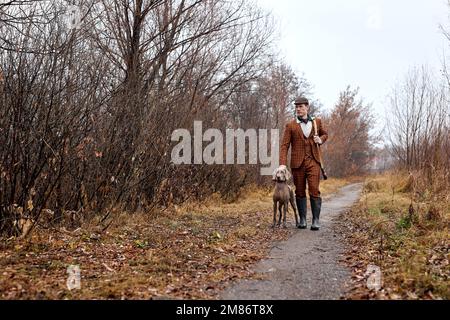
(419, 119)
(87, 111)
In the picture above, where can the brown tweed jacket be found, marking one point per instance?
(293, 136)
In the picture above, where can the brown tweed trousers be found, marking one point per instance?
(305, 163)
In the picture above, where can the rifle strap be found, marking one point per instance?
(315, 126)
(318, 146)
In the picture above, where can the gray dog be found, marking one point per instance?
(282, 196)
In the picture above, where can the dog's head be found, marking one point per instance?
(281, 174)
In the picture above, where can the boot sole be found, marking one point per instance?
(305, 227)
(315, 229)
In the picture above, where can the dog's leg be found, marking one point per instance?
(280, 208)
(294, 206)
(274, 214)
(285, 209)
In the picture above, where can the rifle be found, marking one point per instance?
(325, 176)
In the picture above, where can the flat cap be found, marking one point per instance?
(301, 100)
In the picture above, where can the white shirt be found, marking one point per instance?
(306, 127)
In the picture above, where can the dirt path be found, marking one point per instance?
(305, 266)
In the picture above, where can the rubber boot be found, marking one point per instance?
(316, 204)
(301, 207)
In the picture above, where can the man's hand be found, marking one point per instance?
(317, 140)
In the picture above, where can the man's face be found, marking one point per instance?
(302, 110)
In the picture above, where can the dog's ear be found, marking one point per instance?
(288, 175)
(274, 175)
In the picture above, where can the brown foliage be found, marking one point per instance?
(349, 147)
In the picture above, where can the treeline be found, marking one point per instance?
(89, 97)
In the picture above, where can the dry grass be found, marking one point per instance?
(404, 230)
(190, 251)
(332, 185)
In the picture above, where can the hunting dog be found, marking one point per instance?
(282, 196)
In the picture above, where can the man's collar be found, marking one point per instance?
(309, 118)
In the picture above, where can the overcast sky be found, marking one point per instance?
(365, 43)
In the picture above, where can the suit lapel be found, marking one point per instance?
(299, 130)
(311, 134)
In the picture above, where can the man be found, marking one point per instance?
(299, 134)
